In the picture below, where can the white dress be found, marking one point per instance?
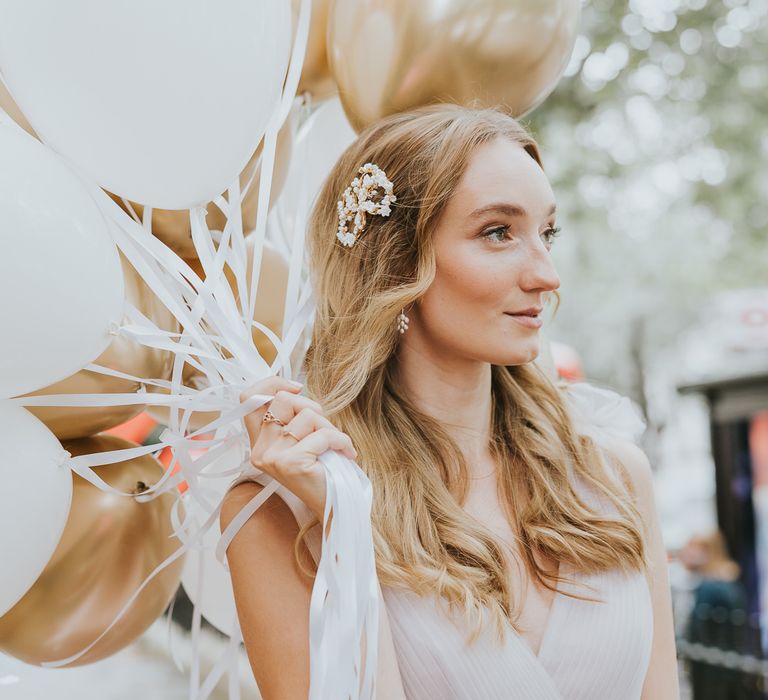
(589, 651)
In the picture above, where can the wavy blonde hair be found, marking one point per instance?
(424, 541)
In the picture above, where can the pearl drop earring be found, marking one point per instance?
(402, 322)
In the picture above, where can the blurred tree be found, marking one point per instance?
(656, 145)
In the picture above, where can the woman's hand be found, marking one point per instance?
(289, 452)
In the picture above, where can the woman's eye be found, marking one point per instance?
(497, 234)
(551, 234)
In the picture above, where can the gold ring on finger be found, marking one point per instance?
(288, 433)
(270, 417)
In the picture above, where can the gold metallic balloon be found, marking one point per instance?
(123, 354)
(270, 303)
(316, 78)
(12, 109)
(109, 546)
(389, 56)
(172, 226)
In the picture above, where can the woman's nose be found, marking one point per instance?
(540, 272)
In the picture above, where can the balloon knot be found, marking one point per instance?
(63, 458)
(114, 328)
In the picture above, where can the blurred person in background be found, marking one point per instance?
(718, 618)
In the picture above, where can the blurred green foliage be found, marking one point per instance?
(656, 143)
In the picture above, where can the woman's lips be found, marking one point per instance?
(527, 321)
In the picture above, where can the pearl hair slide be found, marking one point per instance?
(358, 200)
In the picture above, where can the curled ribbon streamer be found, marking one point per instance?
(223, 664)
(109, 372)
(151, 259)
(176, 382)
(234, 670)
(265, 183)
(203, 303)
(234, 225)
(131, 210)
(107, 399)
(303, 315)
(346, 578)
(169, 633)
(270, 143)
(297, 242)
(194, 670)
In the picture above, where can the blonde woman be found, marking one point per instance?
(518, 550)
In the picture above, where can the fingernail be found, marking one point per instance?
(298, 385)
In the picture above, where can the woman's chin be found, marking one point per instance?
(525, 352)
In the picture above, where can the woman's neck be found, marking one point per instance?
(454, 391)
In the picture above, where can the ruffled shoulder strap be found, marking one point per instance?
(602, 413)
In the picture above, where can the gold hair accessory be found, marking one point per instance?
(358, 200)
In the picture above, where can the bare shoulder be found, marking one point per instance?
(273, 598)
(274, 516)
(239, 496)
(268, 536)
(235, 499)
(272, 593)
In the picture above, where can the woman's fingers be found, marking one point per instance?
(296, 428)
(270, 387)
(284, 407)
(306, 421)
(325, 439)
(288, 447)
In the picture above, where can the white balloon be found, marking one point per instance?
(319, 144)
(61, 283)
(160, 102)
(34, 500)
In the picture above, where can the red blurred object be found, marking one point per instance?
(758, 448)
(567, 362)
(138, 429)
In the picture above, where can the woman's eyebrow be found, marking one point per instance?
(506, 208)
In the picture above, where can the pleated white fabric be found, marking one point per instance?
(591, 650)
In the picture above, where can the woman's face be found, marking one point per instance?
(492, 247)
